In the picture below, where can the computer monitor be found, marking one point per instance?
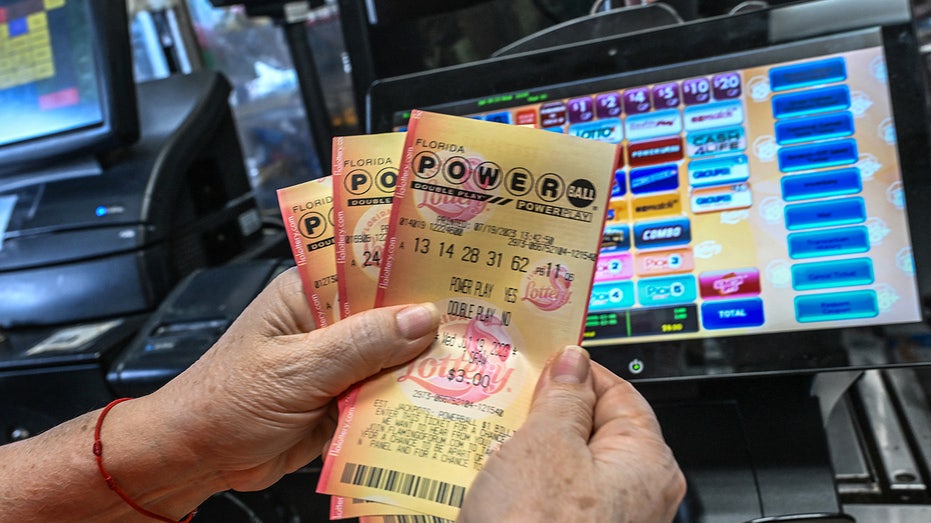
(66, 86)
(771, 213)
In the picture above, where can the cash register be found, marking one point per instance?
(110, 193)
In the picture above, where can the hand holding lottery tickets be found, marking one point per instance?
(590, 450)
(257, 405)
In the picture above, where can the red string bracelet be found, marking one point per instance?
(98, 454)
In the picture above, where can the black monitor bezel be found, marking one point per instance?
(757, 354)
(119, 123)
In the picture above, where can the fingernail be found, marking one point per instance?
(571, 366)
(417, 320)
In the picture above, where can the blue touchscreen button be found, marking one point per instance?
(667, 291)
(719, 171)
(807, 74)
(837, 273)
(836, 306)
(620, 184)
(615, 238)
(664, 233)
(611, 296)
(500, 117)
(829, 242)
(821, 184)
(732, 314)
(654, 179)
(797, 130)
(811, 102)
(829, 213)
(817, 155)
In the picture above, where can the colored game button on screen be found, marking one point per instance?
(553, 114)
(830, 242)
(611, 296)
(608, 130)
(836, 306)
(666, 291)
(717, 141)
(732, 314)
(664, 233)
(722, 114)
(821, 184)
(721, 198)
(807, 74)
(807, 129)
(829, 213)
(499, 117)
(663, 150)
(817, 155)
(661, 263)
(734, 283)
(653, 125)
(654, 179)
(837, 273)
(615, 238)
(719, 171)
(613, 266)
(813, 101)
(657, 206)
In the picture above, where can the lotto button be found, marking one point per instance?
(836, 306)
(832, 274)
(732, 314)
(807, 74)
(829, 242)
(830, 213)
(813, 101)
(817, 155)
(608, 130)
(821, 184)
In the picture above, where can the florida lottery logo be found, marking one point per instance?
(548, 287)
(473, 369)
(456, 187)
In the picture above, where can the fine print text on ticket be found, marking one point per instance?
(307, 210)
(500, 227)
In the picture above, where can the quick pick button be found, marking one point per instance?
(635, 366)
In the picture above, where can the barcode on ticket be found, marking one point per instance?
(414, 518)
(403, 483)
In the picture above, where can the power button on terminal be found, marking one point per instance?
(635, 366)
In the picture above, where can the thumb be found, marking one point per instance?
(565, 396)
(363, 344)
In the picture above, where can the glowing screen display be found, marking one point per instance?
(767, 198)
(48, 82)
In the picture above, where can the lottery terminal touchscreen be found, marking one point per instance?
(757, 193)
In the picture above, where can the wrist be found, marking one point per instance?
(145, 455)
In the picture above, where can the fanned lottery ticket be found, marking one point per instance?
(500, 226)
(365, 172)
(307, 211)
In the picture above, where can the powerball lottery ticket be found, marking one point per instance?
(365, 172)
(307, 211)
(499, 226)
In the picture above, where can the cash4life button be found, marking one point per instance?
(732, 314)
